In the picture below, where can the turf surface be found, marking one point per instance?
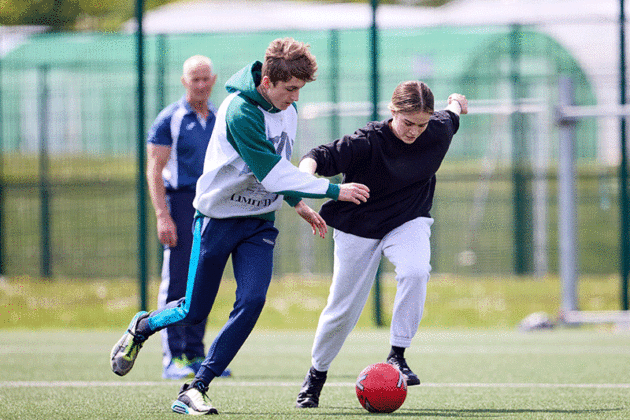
(466, 374)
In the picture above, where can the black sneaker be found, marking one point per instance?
(311, 388)
(401, 364)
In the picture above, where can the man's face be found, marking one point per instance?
(283, 94)
(408, 126)
(198, 83)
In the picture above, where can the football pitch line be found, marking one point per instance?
(71, 384)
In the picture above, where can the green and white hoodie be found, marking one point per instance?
(247, 168)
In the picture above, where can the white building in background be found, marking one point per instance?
(12, 36)
(588, 29)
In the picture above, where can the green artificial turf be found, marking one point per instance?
(466, 374)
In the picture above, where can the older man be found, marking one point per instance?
(176, 148)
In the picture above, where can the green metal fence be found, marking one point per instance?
(69, 145)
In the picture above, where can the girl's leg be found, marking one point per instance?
(408, 249)
(356, 261)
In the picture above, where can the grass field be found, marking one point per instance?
(466, 374)
(295, 302)
(55, 339)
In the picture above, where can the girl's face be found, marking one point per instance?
(408, 126)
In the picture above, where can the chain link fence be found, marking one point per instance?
(68, 123)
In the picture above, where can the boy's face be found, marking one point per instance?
(282, 94)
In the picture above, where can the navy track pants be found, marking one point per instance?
(250, 243)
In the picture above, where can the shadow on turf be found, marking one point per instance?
(343, 411)
(493, 412)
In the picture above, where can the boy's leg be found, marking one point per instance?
(252, 260)
(203, 283)
(173, 338)
(182, 343)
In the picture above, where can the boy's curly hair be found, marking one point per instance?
(286, 58)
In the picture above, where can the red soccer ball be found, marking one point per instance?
(381, 388)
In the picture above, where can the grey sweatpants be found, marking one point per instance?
(356, 261)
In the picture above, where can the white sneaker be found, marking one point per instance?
(193, 400)
(126, 350)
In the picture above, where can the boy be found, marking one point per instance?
(247, 173)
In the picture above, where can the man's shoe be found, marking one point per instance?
(193, 399)
(195, 363)
(401, 364)
(178, 369)
(311, 388)
(126, 350)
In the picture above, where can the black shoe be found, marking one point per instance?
(311, 388)
(401, 364)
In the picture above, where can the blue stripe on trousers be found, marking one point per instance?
(184, 339)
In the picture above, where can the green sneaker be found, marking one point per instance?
(126, 350)
(178, 368)
(193, 400)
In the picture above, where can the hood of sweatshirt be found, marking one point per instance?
(245, 81)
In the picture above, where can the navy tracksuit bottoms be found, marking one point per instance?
(250, 243)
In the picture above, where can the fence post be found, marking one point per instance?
(161, 52)
(522, 214)
(623, 168)
(334, 82)
(160, 71)
(1, 180)
(335, 130)
(375, 84)
(44, 182)
(141, 178)
(567, 220)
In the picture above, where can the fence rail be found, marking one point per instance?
(69, 147)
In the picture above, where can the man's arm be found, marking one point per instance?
(157, 157)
